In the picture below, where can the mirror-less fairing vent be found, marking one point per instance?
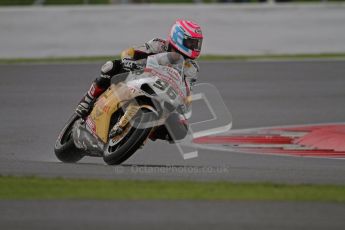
(146, 88)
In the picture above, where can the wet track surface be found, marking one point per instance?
(38, 99)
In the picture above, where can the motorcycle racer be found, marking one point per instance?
(185, 38)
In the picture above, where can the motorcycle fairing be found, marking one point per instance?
(103, 109)
(118, 94)
(84, 139)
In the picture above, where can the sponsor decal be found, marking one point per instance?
(158, 40)
(106, 109)
(198, 31)
(132, 90)
(99, 112)
(168, 80)
(90, 125)
(173, 73)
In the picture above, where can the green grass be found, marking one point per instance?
(15, 2)
(202, 58)
(57, 59)
(79, 2)
(74, 2)
(50, 2)
(167, 1)
(57, 188)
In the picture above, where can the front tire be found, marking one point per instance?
(64, 149)
(114, 155)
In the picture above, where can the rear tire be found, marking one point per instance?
(64, 149)
(114, 155)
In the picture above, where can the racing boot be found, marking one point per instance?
(85, 105)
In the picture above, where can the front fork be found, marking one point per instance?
(119, 127)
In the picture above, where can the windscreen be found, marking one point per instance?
(169, 59)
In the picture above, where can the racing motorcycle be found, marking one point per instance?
(127, 113)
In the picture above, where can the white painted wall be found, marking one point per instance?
(228, 29)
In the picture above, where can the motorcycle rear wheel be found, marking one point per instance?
(64, 149)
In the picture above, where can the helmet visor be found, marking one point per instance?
(193, 43)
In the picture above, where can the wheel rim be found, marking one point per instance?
(110, 149)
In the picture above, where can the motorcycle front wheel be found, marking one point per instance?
(130, 143)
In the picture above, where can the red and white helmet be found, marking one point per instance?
(186, 37)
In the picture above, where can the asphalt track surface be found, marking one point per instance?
(169, 215)
(37, 99)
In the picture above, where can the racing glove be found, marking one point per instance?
(130, 64)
